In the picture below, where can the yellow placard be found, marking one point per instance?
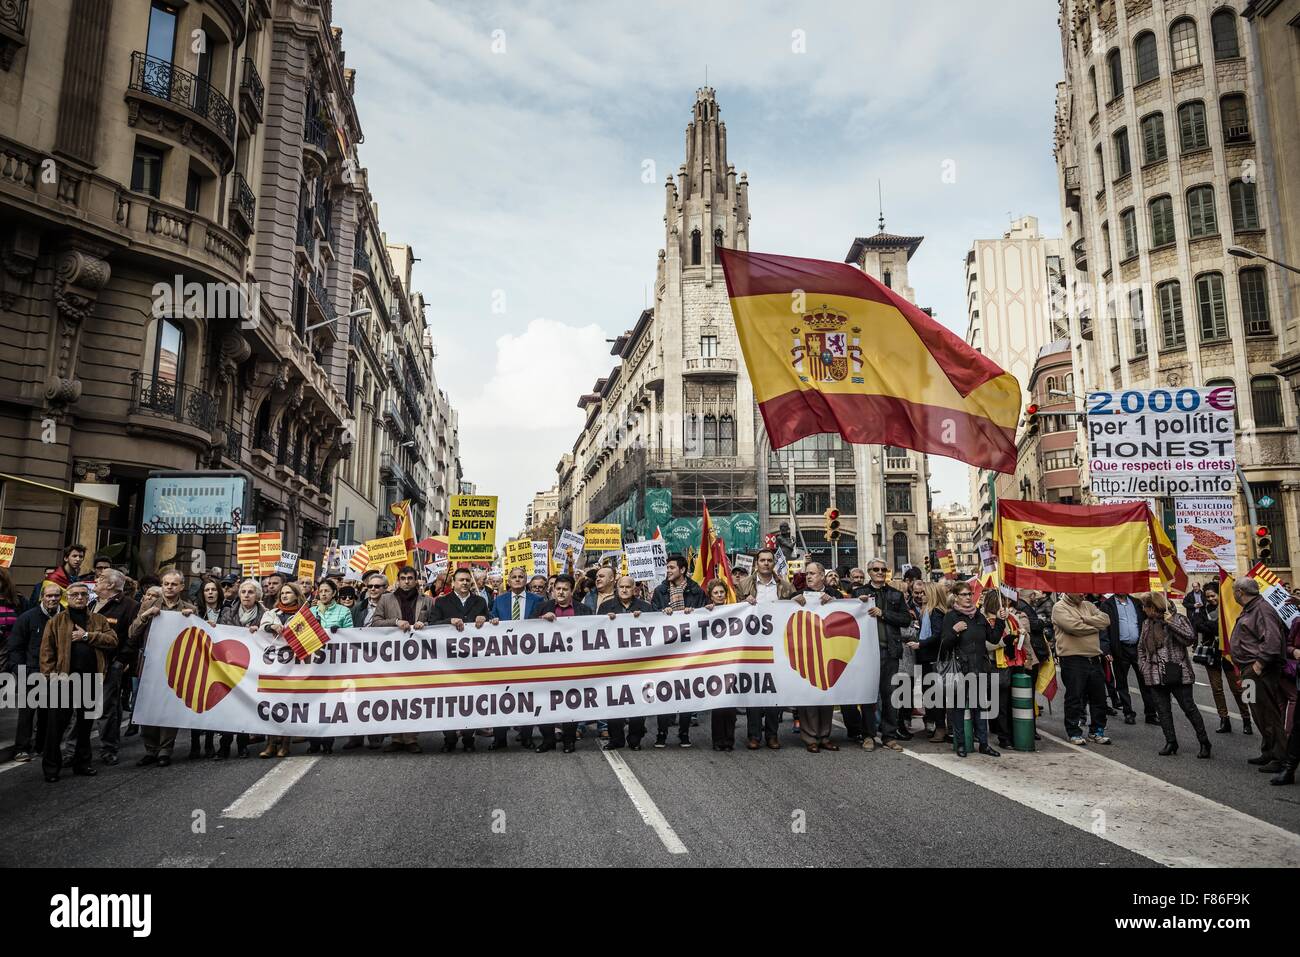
(269, 549)
(472, 528)
(603, 537)
(386, 551)
(8, 543)
(306, 570)
(519, 554)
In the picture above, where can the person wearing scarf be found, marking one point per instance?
(1166, 667)
(210, 602)
(288, 603)
(245, 612)
(332, 615)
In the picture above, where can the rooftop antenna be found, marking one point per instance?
(880, 196)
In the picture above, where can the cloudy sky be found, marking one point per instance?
(509, 144)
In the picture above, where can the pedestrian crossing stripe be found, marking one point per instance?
(523, 674)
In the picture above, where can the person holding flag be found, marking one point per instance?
(1205, 619)
(288, 603)
(677, 593)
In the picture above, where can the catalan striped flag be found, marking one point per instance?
(831, 349)
(248, 549)
(360, 560)
(1074, 548)
(304, 634)
(1169, 568)
(1263, 574)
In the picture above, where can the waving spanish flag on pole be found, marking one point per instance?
(711, 562)
(1229, 612)
(830, 349)
(1074, 548)
(304, 634)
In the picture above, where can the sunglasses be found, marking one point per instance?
(875, 570)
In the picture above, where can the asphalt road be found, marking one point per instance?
(1120, 805)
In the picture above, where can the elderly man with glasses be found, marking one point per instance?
(119, 610)
(889, 608)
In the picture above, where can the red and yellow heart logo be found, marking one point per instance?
(202, 673)
(820, 650)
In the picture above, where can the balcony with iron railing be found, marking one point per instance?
(316, 286)
(324, 221)
(710, 365)
(304, 238)
(396, 420)
(163, 84)
(233, 446)
(163, 399)
(13, 30)
(243, 206)
(252, 94)
(313, 146)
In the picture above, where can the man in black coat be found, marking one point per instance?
(25, 650)
(1126, 617)
(119, 610)
(561, 606)
(677, 593)
(462, 605)
(625, 602)
(889, 608)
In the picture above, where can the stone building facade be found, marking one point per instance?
(1161, 170)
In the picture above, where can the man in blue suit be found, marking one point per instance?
(514, 604)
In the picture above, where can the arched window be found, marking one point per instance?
(1115, 71)
(1235, 119)
(726, 436)
(1145, 60)
(283, 450)
(900, 551)
(1183, 44)
(1266, 401)
(1201, 218)
(1154, 148)
(1254, 302)
(692, 440)
(1245, 208)
(169, 353)
(262, 427)
(1223, 27)
(695, 247)
(1211, 307)
(1051, 384)
(1192, 133)
(1169, 301)
(717, 237)
(1162, 221)
(710, 436)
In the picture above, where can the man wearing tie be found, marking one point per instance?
(456, 609)
(516, 603)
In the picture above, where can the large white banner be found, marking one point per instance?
(1207, 534)
(383, 680)
(1162, 442)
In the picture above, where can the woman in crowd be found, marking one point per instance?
(246, 612)
(10, 609)
(288, 602)
(209, 602)
(936, 606)
(1166, 667)
(724, 719)
(1017, 656)
(966, 637)
(332, 614)
(348, 599)
(1205, 624)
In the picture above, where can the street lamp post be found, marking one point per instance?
(355, 314)
(1241, 252)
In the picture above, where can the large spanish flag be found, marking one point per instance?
(1229, 612)
(830, 349)
(711, 560)
(1074, 548)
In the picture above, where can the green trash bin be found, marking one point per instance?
(1022, 711)
(968, 731)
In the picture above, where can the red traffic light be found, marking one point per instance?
(833, 514)
(1262, 531)
(1031, 409)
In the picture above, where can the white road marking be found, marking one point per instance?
(188, 862)
(1132, 809)
(269, 788)
(644, 804)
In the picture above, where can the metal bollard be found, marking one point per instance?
(1022, 711)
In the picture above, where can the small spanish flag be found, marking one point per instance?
(1229, 612)
(1074, 548)
(1169, 568)
(304, 634)
(831, 349)
(1046, 683)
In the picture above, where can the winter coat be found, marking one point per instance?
(1156, 649)
(335, 616)
(56, 643)
(1078, 628)
(970, 645)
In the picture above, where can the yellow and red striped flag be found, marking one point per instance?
(1229, 611)
(405, 527)
(248, 549)
(304, 634)
(1168, 567)
(831, 349)
(1046, 683)
(1074, 548)
(711, 561)
(360, 560)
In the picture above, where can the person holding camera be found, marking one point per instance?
(1166, 667)
(1205, 622)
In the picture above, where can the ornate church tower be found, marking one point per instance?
(708, 416)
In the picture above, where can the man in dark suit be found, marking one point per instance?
(405, 608)
(1122, 636)
(625, 602)
(516, 603)
(561, 606)
(462, 605)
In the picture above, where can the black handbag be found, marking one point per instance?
(1171, 674)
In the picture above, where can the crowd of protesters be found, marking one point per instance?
(97, 620)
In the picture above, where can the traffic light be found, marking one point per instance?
(1263, 543)
(1031, 416)
(927, 564)
(832, 516)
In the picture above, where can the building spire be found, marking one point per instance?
(880, 197)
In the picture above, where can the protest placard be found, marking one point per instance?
(519, 554)
(1207, 534)
(386, 551)
(8, 545)
(473, 528)
(541, 558)
(269, 548)
(306, 570)
(743, 563)
(287, 562)
(648, 561)
(568, 551)
(603, 537)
